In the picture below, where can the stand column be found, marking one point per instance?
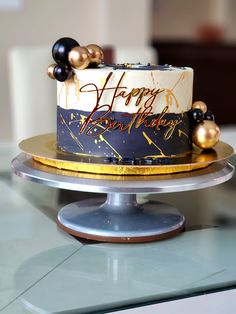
(117, 203)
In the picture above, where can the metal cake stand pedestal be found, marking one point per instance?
(120, 218)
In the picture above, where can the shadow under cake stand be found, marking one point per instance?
(120, 218)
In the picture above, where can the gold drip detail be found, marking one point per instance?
(102, 81)
(181, 78)
(59, 93)
(76, 86)
(67, 84)
(170, 94)
(150, 142)
(104, 140)
(72, 134)
(153, 79)
(182, 132)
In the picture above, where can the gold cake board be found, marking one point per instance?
(43, 149)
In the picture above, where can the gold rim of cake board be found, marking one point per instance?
(43, 149)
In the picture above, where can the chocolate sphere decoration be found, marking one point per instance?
(209, 116)
(206, 134)
(199, 105)
(61, 72)
(96, 54)
(61, 48)
(79, 58)
(197, 115)
(51, 71)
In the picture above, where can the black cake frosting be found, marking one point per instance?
(141, 142)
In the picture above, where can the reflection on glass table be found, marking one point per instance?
(132, 274)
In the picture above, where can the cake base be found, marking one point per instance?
(43, 149)
(120, 219)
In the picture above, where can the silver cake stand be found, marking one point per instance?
(120, 218)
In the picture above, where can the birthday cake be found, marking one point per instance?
(126, 113)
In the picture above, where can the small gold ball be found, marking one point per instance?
(79, 57)
(200, 105)
(51, 70)
(206, 134)
(96, 53)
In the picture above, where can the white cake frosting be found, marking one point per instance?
(128, 90)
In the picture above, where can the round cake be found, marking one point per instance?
(126, 113)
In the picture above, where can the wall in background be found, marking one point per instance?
(106, 22)
(177, 19)
(42, 22)
(183, 19)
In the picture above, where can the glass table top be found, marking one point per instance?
(43, 269)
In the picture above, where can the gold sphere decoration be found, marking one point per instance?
(200, 105)
(79, 58)
(51, 71)
(206, 134)
(96, 53)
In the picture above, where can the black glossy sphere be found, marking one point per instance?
(61, 72)
(61, 48)
(209, 116)
(197, 115)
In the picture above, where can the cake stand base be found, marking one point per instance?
(120, 219)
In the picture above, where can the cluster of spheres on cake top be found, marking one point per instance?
(70, 57)
(68, 53)
(206, 132)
